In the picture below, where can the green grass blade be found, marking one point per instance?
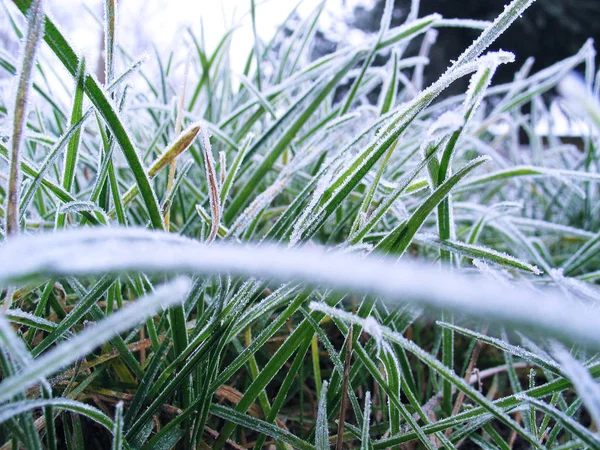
(71, 154)
(398, 240)
(97, 96)
(68, 352)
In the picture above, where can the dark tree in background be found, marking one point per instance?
(550, 30)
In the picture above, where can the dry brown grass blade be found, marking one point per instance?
(25, 80)
(178, 124)
(181, 144)
(213, 185)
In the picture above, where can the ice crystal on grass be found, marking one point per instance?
(587, 388)
(84, 342)
(304, 222)
(338, 166)
(497, 275)
(581, 290)
(446, 124)
(213, 184)
(322, 432)
(19, 117)
(372, 327)
(263, 200)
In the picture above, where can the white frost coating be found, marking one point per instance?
(430, 360)
(14, 409)
(213, 184)
(530, 345)
(77, 206)
(260, 202)
(83, 343)
(392, 354)
(501, 23)
(11, 314)
(464, 23)
(587, 439)
(303, 223)
(94, 251)
(365, 443)
(581, 289)
(14, 345)
(538, 358)
(321, 429)
(386, 19)
(268, 195)
(574, 90)
(268, 304)
(342, 120)
(17, 349)
(447, 123)
(402, 118)
(237, 162)
(499, 276)
(469, 250)
(478, 85)
(587, 388)
(372, 327)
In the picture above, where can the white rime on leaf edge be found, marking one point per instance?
(114, 250)
(90, 338)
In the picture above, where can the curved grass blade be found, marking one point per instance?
(259, 426)
(322, 427)
(284, 141)
(84, 342)
(118, 250)
(346, 181)
(99, 99)
(586, 436)
(479, 252)
(436, 365)
(70, 162)
(35, 23)
(117, 430)
(398, 240)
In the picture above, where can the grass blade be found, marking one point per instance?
(35, 21)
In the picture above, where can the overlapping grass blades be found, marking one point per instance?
(330, 185)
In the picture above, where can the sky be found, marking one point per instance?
(164, 22)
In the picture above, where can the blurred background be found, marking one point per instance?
(550, 30)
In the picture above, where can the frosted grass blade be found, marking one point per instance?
(84, 342)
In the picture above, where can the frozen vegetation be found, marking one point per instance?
(309, 254)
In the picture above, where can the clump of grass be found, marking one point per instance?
(405, 273)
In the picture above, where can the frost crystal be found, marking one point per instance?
(372, 327)
(213, 184)
(583, 382)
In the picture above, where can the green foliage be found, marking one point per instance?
(232, 327)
